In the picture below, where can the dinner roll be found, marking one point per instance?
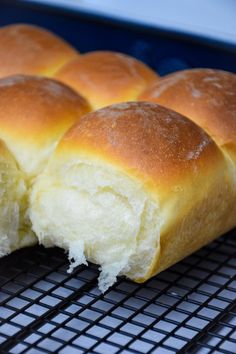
(206, 96)
(105, 78)
(34, 113)
(27, 49)
(14, 231)
(133, 187)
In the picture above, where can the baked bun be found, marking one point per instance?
(133, 187)
(14, 230)
(206, 96)
(34, 113)
(27, 49)
(104, 78)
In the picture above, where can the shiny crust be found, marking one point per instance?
(34, 109)
(107, 77)
(35, 112)
(208, 97)
(27, 49)
(146, 139)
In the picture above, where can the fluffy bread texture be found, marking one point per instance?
(133, 187)
(14, 221)
(28, 49)
(105, 78)
(34, 113)
(206, 96)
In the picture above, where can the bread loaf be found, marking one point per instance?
(27, 49)
(133, 187)
(34, 113)
(206, 96)
(104, 78)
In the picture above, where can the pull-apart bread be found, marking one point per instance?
(206, 96)
(34, 113)
(105, 78)
(102, 77)
(133, 187)
(32, 50)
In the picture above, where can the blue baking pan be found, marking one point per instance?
(163, 50)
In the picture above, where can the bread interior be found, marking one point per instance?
(14, 222)
(97, 214)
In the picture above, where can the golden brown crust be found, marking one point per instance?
(106, 77)
(199, 223)
(36, 108)
(27, 49)
(208, 97)
(172, 159)
(146, 139)
(35, 112)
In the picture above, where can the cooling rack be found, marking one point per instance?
(187, 308)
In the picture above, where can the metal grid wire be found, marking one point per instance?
(188, 308)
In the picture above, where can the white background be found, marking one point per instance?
(211, 18)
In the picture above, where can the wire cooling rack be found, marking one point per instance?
(188, 308)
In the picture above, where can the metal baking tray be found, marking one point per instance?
(189, 308)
